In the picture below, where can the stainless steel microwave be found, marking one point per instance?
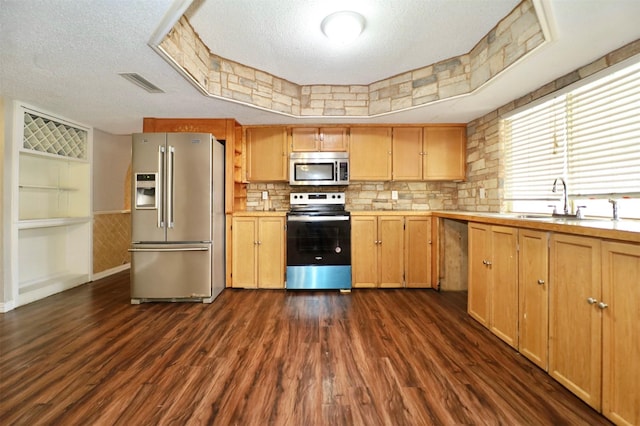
(319, 168)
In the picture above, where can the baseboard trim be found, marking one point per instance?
(111, 271)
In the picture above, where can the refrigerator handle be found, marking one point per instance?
(170, 187)
(159, 187)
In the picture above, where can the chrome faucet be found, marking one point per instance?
(614, 204)
(566, 196)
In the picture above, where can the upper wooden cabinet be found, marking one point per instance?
(407, 153)
(429, 153)
(370, 153)
(319, 139)
(444, 153)
(267, 155)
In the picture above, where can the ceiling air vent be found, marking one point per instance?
(138, 80)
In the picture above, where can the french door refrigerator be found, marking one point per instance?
(177, 217)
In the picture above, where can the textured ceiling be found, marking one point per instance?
(65, 58)
(283, 37)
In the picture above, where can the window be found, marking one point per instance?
(589, 136)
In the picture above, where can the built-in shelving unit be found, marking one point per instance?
(51, 206)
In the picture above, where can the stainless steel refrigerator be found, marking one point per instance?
(177, 217)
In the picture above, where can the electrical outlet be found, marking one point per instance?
(482, 193)
(394, 195)
(265, 195)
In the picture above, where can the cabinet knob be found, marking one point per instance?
(602, 305)
(591, 300)
(540, 282)
(486, 262)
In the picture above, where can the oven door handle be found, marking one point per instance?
(308, 218)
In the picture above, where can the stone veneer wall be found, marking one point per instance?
(363, 196)
(485, 165)
(513, 37)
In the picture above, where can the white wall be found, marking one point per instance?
(111, 159)
(4, 296)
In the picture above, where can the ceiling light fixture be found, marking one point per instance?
(343, 27)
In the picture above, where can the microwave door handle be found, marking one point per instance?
(160, 187)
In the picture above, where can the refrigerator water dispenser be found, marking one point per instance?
(146, 195)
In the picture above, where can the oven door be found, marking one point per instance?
(318, 240)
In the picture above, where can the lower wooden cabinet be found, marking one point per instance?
(493, 279)
(377, 244)
(569, 303)
(418, 252)
(533, 289)
(258, 252)
(620, 332)
(575, 324)
(384, 254)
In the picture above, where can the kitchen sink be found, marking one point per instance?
(533, 216)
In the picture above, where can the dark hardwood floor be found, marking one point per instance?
(257, 357)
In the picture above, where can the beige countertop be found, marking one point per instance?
(624, 230)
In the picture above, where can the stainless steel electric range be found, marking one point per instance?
(318, 242)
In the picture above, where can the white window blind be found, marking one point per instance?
(536, 143)
(590, 136)
(604, 138)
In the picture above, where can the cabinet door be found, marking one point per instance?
(364, 262)
(407, 153)
(575, 342)
(370, 153)
(479, 255)
(390, 251)
(266, 154)
(445, 149)
(621, 332)
(333, 139)
(271, 252)
(417, 251)
(304, 139)
(504, 284)
(244, 252)
(533, 284)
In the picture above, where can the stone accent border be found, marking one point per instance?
(512, 38)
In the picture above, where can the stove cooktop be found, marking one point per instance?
(321, 202)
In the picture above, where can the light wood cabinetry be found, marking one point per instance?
(50, 241)
(377, 244)
(370, 153)
(258, 256)
(417, 251)
(319, 139)
(391, 251)
(222, 129)
(533, 284)
(575, 326)
(493, 279)
(621, 332)
(594, 323)
(444, 153)
(267, 154)
(429, 153)
(407, 153)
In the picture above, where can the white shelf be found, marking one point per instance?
(47, 188)
(53, 222)
(51, 217)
